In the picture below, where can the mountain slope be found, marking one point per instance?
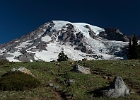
(79, 40)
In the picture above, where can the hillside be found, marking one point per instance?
(53, 77)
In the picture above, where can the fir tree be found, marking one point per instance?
(134, 48)
(135, 40)
(130, 49)
(138, 51)
(62, 56)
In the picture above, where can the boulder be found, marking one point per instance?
(116, 89)
(23, 69)
(81, 69)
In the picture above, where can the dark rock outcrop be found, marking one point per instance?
(113, 34)
(67, 34)
(41, 46)
(74, 39)
(91, 33)
(26, 57)
(2, 57)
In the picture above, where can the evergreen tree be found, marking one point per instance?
(130, 49)
(134, 48)
(135, 40)
(62, 56)
(139, 51)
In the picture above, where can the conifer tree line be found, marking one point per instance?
(134, 48)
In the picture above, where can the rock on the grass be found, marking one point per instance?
(23, 69)
(81, 69)
(116, 89)
(50, 84)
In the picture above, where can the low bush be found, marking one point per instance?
(17, 81)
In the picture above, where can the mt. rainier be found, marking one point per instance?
(79, 40)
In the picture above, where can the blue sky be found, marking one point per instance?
(19, 17)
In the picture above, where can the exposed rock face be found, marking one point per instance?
(67, 33)
(41, 46)
(77, 40)
(114, 34)
(116, 89)
(81, 69)
(26, 57)
(91, 33)
(2, 57)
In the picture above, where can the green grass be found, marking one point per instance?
(58, 73)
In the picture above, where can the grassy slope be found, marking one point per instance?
(58, 74)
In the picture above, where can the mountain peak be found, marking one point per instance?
(79, 40)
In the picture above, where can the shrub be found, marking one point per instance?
(18, 81)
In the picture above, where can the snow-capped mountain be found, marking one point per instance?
(79, 40)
